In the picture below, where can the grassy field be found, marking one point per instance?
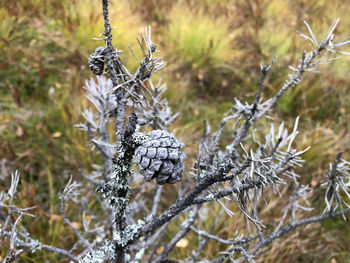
(213, 51)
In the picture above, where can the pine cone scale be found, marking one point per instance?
(160, 157)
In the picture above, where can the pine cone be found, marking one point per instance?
(160, 157)
(96, 61)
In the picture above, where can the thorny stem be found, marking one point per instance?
(241, 241)
(55, 250)
(29, 245)
(252, 116)
(306, 61)
(332, 178)
(283, 231)
(189, 199)
(120, 189)
(69, 223)
(264, 70)
(113, 61)
(286, 229)
(182, 203)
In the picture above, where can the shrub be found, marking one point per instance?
(240, 175)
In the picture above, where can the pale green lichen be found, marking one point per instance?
(203, 174)
(210, 197)
(139, 137)
(123, 238)
(187, 222)
(103, 253)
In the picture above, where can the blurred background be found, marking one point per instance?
(213, 51)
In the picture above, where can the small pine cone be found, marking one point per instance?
(160, 157)
(96, 61)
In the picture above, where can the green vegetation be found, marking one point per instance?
(213, 49)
